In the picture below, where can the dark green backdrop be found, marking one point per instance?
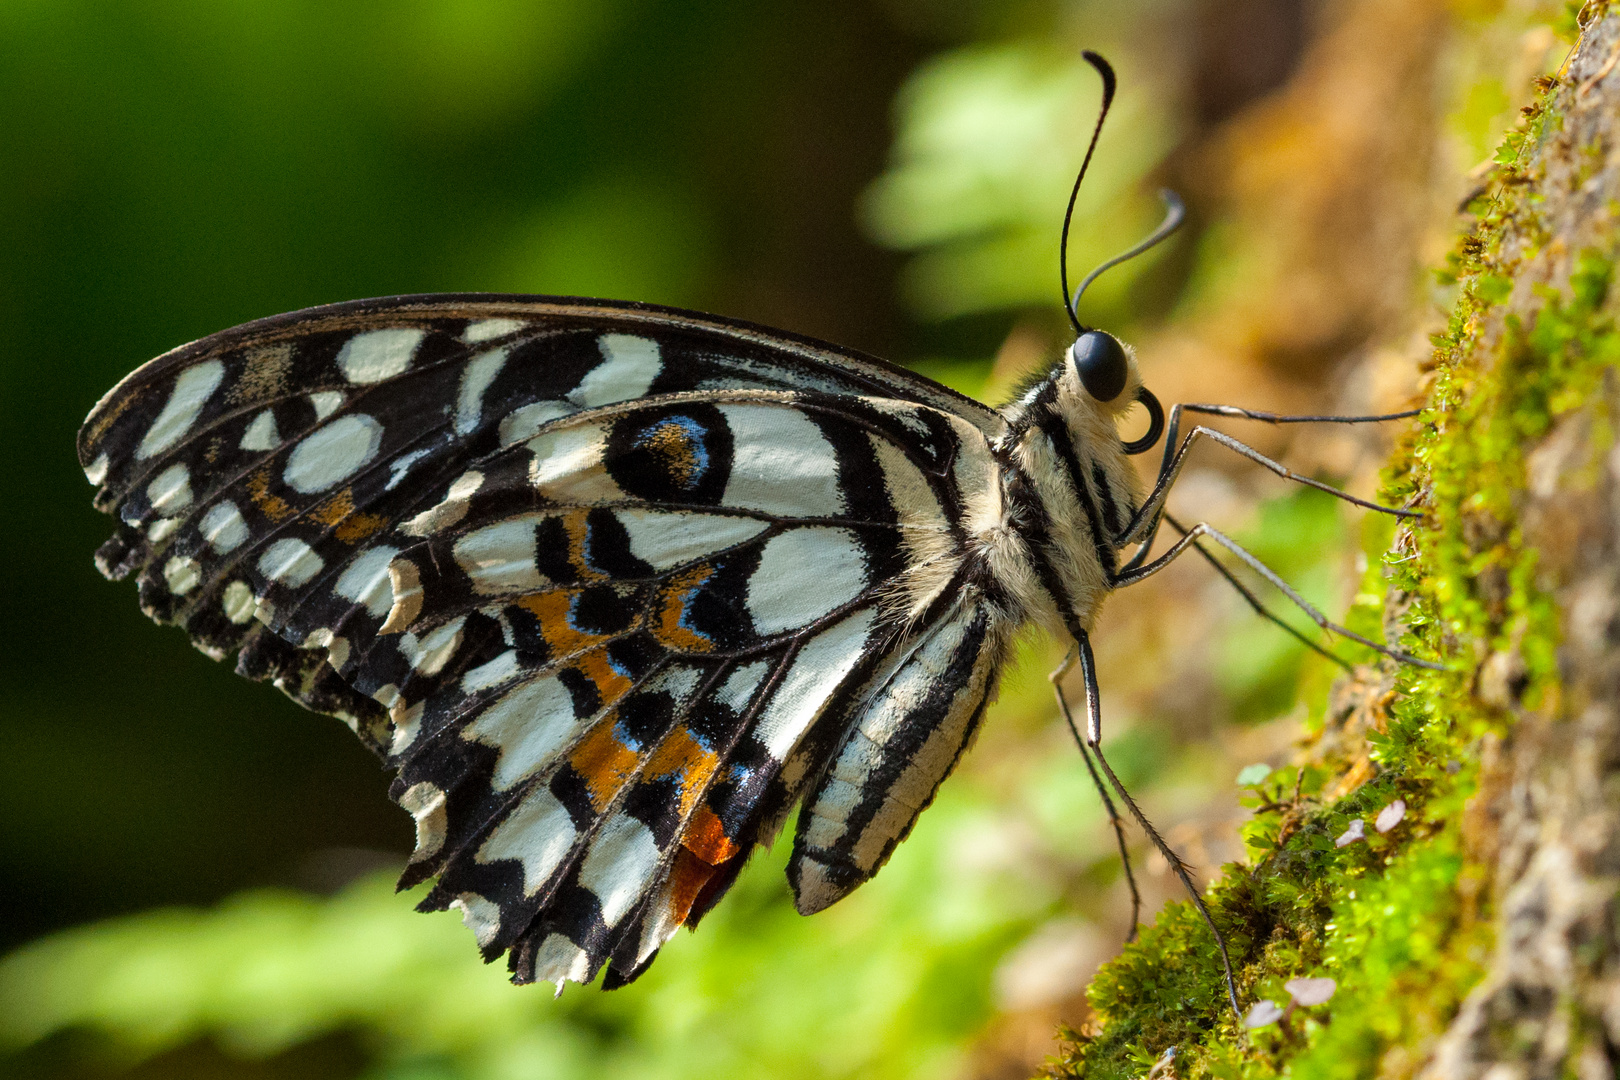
(170, 169)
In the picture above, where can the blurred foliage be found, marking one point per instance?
(988, 143)
(749, 995)
(178, 167)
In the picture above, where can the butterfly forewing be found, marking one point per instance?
(609, 585)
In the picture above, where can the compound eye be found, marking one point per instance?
(1100, 360)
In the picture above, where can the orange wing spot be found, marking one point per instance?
(574, 525)
(706, 838)
(350, 527)
(604, 762)
(552, 609)
(687, 877)
(673, 600)
(273, 507)
(611, 684)
(692, 763)
(335, 509)
(358, 527)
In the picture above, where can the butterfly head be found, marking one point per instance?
(1100, 379)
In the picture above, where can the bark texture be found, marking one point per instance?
(1549, 805)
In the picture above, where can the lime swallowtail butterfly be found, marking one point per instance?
(613, 587)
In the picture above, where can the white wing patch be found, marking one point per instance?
(559, 960)
(488, 329)
(366, 581)
(425, 803)
(182, 574)
(448, 513)
(326, 402)
(522, 424)
(781, 464)
(568, 467)
(500, 558)
(804, 574)
(290, 561)
(619, 865)
(823, 661)
(738, 689)
(537, 834)
(261, 434)
(237, 602)
(476, 378)
(191, 392)
(665, 538)
(223, 528)
(170, 490)
(627, 371)
(932, 558)
(376, 355)
(400, 466)
(480, 915)
(330, 455)
(530, 725)
(429, 653)
(492, 673)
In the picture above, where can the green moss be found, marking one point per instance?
(1396, 917)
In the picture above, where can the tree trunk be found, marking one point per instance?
(1549, 799)
(1480, 934)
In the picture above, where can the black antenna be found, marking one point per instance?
(1107, 72)
(1175, 212)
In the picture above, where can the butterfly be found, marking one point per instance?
(613, 587)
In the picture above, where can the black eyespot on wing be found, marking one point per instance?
(678, 455)
(1100, 360)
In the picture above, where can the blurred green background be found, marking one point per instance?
(888, 174)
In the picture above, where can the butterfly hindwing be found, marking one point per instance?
(607, 584)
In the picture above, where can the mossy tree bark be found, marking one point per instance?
(1479, 936)
(1548, 808)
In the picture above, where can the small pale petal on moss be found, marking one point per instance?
(1264, 1014)
(1390, 816)
(1308, 992)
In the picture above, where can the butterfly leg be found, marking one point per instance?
(1114, 819)
(1254, 601)
(1093, 740)
(1144, 526)
(1191, 536)
(1281, 418)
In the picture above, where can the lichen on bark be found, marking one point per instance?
(1480, 934)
